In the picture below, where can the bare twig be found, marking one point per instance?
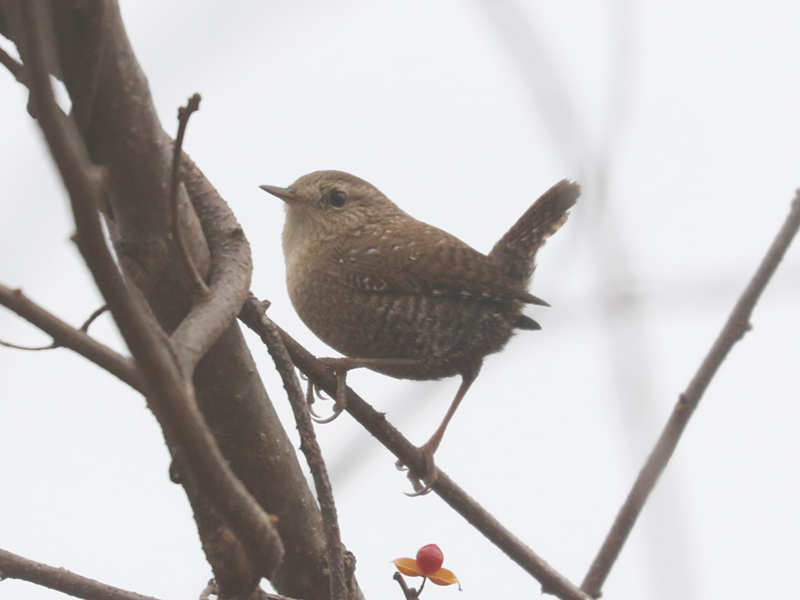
(170, 396)
(409, 593)
(65, 335)
(16, 68)
(16, 567)
(184, 112)
(54, 345)
(735, 327)
(271, 337)
(92, 317)
(376, 423)
(13, 346)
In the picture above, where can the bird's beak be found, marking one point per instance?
(283, 193)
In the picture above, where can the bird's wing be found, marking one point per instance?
(436, 265)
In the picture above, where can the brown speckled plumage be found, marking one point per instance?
(373, 282)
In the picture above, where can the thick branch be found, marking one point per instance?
(16, 567)
(170, 397)
(110, 94)
(376, 423)
(65, 335)
(123, 134)
(735, 327)
(271, 336)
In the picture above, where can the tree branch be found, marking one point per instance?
(65, 335)
(271, 337)
(169, 395)
(184, 112)
(734, 329)
(14, 67)
(229, 273)
(16, 567)
(122, 132)
(376, 423)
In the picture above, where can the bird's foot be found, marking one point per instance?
(312, 393)
(421, 482)
(340, 367)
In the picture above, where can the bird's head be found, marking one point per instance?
(326, 204)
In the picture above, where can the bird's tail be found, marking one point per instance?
(516, 251)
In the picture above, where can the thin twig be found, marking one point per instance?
(13, 346)
(16, 68)
(85, 326)
(169, 394)
(17, 567)
(376, 423)
(409, 593)
(184, 112)
(271, 337)
(54, 345)
(64, 335)
(735, 327)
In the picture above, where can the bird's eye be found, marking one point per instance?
(337, 198)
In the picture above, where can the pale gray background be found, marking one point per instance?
(462, 112)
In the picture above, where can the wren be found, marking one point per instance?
(402, 297)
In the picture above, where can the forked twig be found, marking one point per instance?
(409, 593)
(54, 344)
(66, 336)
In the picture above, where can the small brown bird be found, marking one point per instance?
(399, 296)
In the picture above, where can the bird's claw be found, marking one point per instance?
(311, 391)
(341, 392)
(320, 421)
(422, 483)
(421, 487)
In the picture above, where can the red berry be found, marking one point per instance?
(429, 559)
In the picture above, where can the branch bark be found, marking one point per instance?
(65, 335)
(135, 159)
(735, 327)
(271, 336)
(17, 567)
(374, 422)
(170, 398)
(112, 107)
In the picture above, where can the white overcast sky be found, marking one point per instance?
(463, 112)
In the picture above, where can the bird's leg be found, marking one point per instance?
(341, 366)
(429, 447)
